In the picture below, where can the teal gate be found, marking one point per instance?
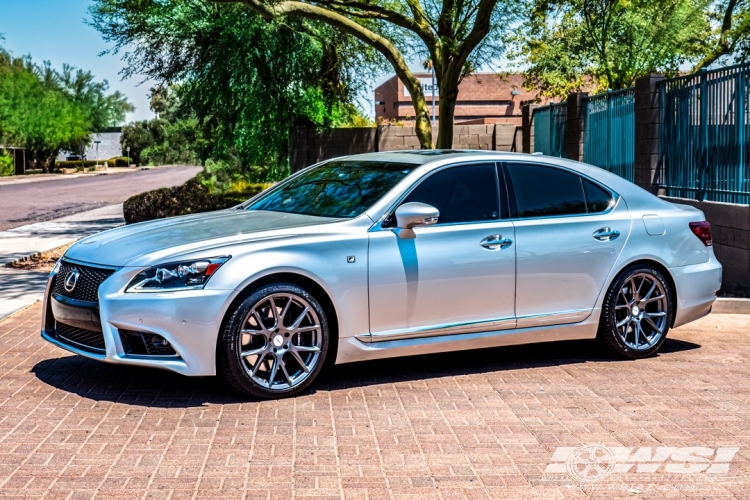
(609, 132)
(704, 138)
(550, 123)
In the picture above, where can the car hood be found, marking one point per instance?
(131, 244)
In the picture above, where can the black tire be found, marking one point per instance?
(254, 374)
(654, 315)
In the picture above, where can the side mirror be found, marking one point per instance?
(411, 215)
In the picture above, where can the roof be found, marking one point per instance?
(423, 156)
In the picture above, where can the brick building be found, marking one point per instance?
(483, 98)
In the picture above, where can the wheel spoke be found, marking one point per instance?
(301, 363)
(636, 331)
(304, 329)
(285, 310)
(260, 323)
(653, 325)
(623, 322)
(274, 369)
(304, 348)
(252, 352)
(650, 291)
(286, 373)
(657, 314)
(299, 319)
(275, 313)
(258, 362)
(653, 299)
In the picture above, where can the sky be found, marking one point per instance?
(55, 31)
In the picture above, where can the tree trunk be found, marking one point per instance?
(446, 113)
(422, 125)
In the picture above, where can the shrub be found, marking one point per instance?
(120, 161)
(6, 164)
(190, 198)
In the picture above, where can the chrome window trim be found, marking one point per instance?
(615, 196)
(378, 224)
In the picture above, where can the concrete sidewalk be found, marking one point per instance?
(20, 289)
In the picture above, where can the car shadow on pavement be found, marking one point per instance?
(156, 388)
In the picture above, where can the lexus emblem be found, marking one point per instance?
(71, 279)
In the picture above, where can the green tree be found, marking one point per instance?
(244, 80)
(41, 119)
(730, 34)
(570, 45)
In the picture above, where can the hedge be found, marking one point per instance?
(190, 198)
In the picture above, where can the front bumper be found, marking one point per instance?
(190, 320)
(697, 286)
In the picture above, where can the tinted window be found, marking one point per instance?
(462, 194)
(336, 189)
(546, 191)
(597, 199)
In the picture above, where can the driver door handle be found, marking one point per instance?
(496, 242)
(606, 234)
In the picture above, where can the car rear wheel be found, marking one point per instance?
(275, 342)
(637, 312)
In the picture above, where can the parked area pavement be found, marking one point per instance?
(23, 203)
(489, 424)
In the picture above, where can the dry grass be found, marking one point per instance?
(43, 262)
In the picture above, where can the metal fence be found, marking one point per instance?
(550, 123)
(609, 132)
(705, 135)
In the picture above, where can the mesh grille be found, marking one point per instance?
(87, 286)
(94, 341)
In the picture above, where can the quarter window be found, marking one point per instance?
(468, 193)
(546, 191)
(597, 199)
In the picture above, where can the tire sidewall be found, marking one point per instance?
(608, 323)
(234, 372)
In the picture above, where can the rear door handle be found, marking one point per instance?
(606, 234)
(496, 242)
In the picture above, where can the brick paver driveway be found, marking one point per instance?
(498, 423)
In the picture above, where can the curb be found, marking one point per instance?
(731, 305)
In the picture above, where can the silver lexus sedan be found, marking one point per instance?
(387, 254)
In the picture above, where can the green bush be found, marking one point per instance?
(6, 165)
(120, 161)
(190, 198)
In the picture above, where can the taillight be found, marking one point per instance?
(703, 231)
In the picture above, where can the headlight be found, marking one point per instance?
(188, 275)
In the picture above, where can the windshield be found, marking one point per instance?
(335, 189)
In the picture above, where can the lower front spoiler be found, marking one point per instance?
(171, 363)
(49, 338)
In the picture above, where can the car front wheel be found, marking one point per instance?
(637, 312)
(275, 342)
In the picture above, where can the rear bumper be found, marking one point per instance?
(696, 289)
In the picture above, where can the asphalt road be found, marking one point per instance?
(27, 203)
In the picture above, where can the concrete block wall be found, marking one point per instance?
(309, 146)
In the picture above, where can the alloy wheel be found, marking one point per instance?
(280, 341)
(641, 311)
